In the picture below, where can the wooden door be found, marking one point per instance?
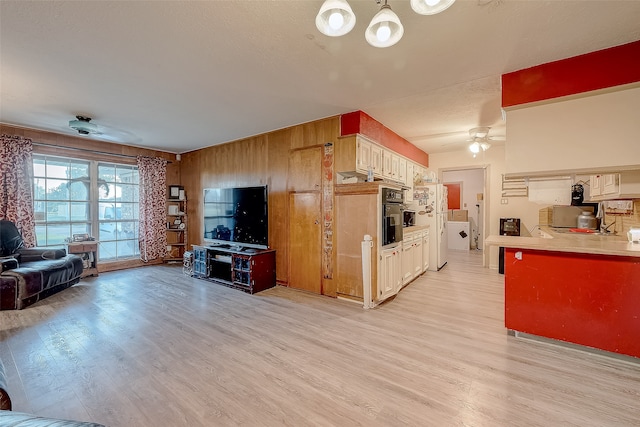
(305, 214)
(305, 254)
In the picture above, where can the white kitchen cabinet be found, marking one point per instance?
(376, 160)
(395, 167)
(363, 155)
(387, 171)
(408, 194)
(417, 255)
(402, 170)
(391, 274)
(408, 247)
(355, 154)
(425, 250)
(623, 185)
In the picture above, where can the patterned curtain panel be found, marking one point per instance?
(153, 216)
(16, 185)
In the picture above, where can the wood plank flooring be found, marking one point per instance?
(152, 347)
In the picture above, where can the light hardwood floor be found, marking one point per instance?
(152, 347)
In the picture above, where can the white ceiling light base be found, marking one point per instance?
(335, 18)
(479, 138)
(83, 125)
(385, 28)
(430, 7)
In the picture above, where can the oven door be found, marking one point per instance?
(391, 223)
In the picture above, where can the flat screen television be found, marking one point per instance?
(236, 216)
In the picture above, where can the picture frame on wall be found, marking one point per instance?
(174, 191)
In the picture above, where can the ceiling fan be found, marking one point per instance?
(85, 127)
(480, 139)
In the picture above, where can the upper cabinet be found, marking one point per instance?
(582, 140)
(623, 185)
(356, 154)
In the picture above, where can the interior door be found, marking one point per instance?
(305, 215)
(305, 253)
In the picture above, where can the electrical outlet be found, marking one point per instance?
(504, 201)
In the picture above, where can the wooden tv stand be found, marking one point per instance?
(250, 270)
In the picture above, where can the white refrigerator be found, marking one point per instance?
(431, 200)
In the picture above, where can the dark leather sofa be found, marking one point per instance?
(30, 274)
(20, 419)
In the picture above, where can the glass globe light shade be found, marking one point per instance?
(335, 18)
(385, 28)
(430, 7)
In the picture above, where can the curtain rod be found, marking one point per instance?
(126, 156)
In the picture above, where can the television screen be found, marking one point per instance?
(237, 216)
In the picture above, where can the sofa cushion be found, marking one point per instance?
(8, 263)
(20, 419)
(10, 238)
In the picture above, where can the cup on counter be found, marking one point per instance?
(634, 235)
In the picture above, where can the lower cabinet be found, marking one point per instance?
(425, 250)
(251, 271)
(391, 274)
(408, 250)
(417, 255)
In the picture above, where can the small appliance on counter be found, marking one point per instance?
(409, 218)
(508, 227)
(587, 220)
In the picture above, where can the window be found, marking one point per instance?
(73, 196)
(118, 211)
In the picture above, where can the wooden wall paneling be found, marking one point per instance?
(263, 159)
(277, 167)
(190, 178)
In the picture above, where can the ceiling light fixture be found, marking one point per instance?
(83, 125)
(385, 28)
(336, 18)
(479, 138)
(430, 7)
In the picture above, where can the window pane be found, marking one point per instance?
(80, 211)
(56, 233)
(80, 229)
(107, 250)
(79, 170)
(57, 189)
(39, 192)
(38, 166)
(107, 172)
(57, 168)
(127, 211)
(79, 190)
(57, 211)
(126, 248)
(107, 231)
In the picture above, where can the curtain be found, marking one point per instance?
(152, 237)
(16, 185)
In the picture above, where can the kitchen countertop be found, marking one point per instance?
(414, 228)
(547, 239)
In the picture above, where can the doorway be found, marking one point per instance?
(473, 199)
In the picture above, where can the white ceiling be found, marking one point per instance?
(181, 75)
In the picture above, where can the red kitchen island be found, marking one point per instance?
(574, 288)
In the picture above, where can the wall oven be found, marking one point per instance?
(392, 216)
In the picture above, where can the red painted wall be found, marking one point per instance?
(592, 71)
(592, 300)
(360, 122)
